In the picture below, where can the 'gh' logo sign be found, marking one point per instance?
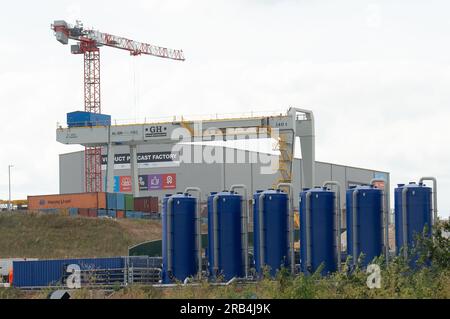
(155, 129)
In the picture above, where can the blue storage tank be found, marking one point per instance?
(230, 261)
(182, 237)
(111, 201)
(418, 207)
(322, 246)
(80, 118)
(46, 273)
(275, 229)
(120, 201)
(369, 223)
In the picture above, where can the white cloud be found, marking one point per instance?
(375, 73)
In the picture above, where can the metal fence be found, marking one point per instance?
(136, 270)
(143, 270)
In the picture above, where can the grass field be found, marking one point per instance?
(53, 236)
(57, 237)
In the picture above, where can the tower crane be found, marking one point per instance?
(88, 43)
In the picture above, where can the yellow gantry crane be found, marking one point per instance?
(18, 202)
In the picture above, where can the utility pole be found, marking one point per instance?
(9, 179)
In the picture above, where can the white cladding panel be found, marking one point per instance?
(126, 133)
(83, 135)
(212, 177)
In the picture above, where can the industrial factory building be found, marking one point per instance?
(161, 171)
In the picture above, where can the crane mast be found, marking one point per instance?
(88, 43)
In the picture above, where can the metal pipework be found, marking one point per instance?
(198, 228)
(354, 226)
(404, 223)
(174, 285)
(244, 219)
(215, 235)
(338, 217)
(435, 211)
(291, 223)
(306, 132)
(229, 282)
(169, 235)
(308, 230)
(261, 229)
(386, 209)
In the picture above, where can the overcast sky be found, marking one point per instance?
(375, 73)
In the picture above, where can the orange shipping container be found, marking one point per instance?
(120, 214)
(80, 200)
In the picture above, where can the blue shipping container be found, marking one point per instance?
(120, 201)
(112, 213)
(49, 210)
(139, 215)
(134, 215)
(147, 215)
(45, 273)
(111, 201)
(102, 212)
(79, 118)
(73, 211)
(129, 214)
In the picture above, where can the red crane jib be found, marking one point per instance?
(65, 31)
(89, 42)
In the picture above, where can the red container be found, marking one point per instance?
(120, 214)
(83, 212)
(154, 207)
(92, 212)
(146, 204)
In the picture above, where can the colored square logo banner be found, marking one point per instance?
(143, 182)
(154, 181)
(116, 184)
(169, 181)
(146, 182)
(125, 183)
